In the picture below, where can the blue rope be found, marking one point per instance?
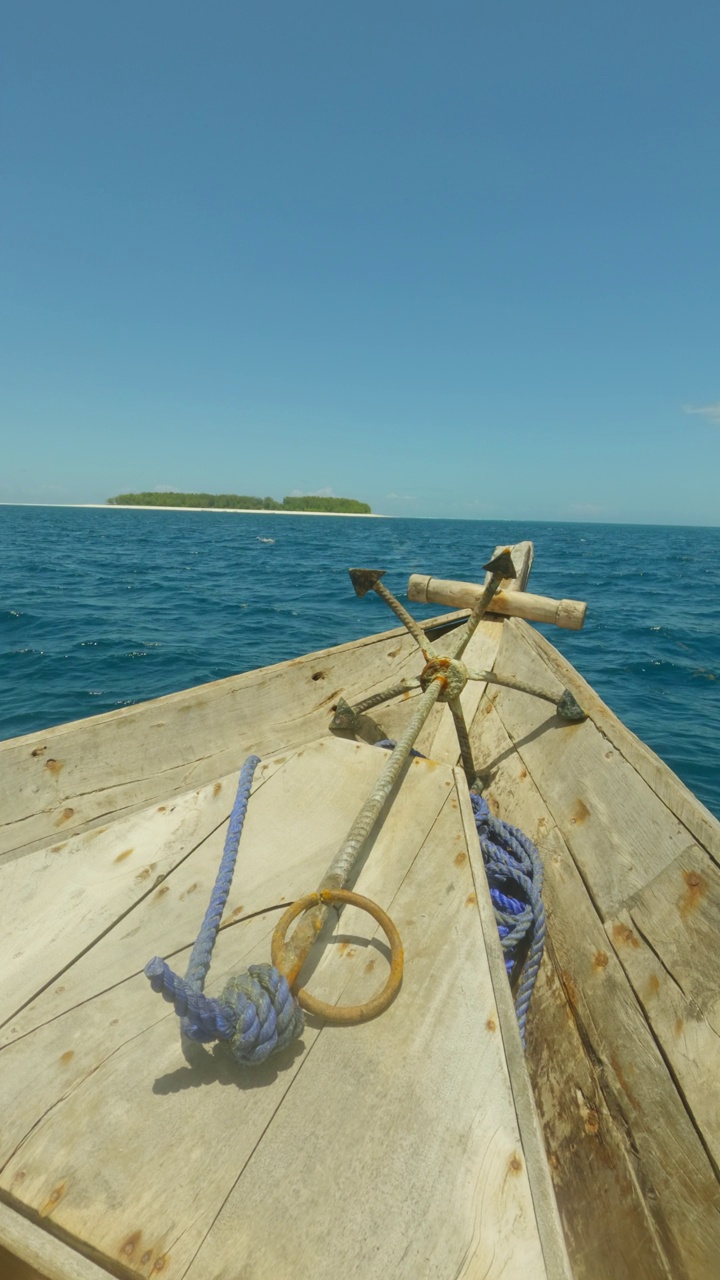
(257, 1013)
(389, 744)
(511, 863)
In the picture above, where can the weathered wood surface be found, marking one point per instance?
(97, 876)
(286, 834)
(569, 614)
(621, 833)
(29, 1253)
(630, 1130)
(666, 784)
(73, 776)
(668, 941)
(159, 1166)
(551, 1234)
(624, 1022)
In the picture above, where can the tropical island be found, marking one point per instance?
(242, 502)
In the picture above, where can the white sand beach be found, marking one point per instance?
(235, 511)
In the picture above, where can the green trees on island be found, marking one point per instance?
(309, 502)
(194, 500)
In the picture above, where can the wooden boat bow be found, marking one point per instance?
(118, 1157)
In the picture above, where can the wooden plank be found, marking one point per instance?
(702, 824)
(168, 918)
(621, 835)
(29, 1253)
(667, 944)
(552, 1239)
(98, 877)
(65, 1058)
(125, 1147)
(609, 1233)
(397, 1151)
(636, 1191)
(73, 776)
(678, 914)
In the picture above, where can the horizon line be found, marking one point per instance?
(366, 515)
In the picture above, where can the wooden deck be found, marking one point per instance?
(623, 1035)
(623, 1029)
(392, 1148)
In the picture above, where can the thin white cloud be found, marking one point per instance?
(401, 497)
(711, 412)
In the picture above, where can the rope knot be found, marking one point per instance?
(257, 1014)
(267, 1015)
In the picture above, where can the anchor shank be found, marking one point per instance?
(489, 677)
(479, 610)
(348, 718)
(407, 620)
(500, 568)
(386, 695)
(338, 873)
(566, 705)
(463, 738)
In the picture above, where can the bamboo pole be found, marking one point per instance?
(569, 614)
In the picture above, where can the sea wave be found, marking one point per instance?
(105, 607)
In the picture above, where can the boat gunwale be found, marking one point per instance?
(438, 624)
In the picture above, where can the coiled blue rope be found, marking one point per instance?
(257, 1014)
(515, 875)
(513, 867)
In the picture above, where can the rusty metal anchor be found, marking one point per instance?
(442, 679)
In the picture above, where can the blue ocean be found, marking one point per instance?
(100, 608)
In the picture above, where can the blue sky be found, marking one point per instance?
(452, 259)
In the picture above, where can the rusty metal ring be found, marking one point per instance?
(344, 1015)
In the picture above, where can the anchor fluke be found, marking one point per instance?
(568, 708)
(365, 580)
(501, 565)
(345, 717)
